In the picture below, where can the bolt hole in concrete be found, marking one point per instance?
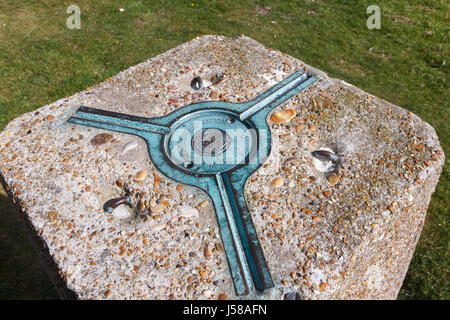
(325, 160)
(188, 165)
(111, 204)
(196, 83)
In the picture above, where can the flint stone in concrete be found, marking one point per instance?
(352, 239)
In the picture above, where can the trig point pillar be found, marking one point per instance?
(222, 169)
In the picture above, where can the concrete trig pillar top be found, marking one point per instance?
(337, 206)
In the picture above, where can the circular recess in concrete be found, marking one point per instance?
(210, 141)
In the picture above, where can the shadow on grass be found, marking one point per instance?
(21, 272)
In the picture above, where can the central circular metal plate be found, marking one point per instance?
(210, 142)
(207, 142)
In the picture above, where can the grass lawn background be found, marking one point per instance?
(405, 62)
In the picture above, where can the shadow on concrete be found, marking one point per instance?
(22, 274)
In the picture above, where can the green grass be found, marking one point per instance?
(406, 63)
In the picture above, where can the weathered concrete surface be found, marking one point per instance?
(345, 236)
